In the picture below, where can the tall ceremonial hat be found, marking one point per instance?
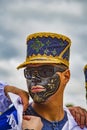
(85, 73)
(46, 47)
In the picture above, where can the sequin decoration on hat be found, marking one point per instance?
(85, 73)
(46, 47)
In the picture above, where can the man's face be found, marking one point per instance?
(42, 81)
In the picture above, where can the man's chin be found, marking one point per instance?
(38, 99)
(40, 102)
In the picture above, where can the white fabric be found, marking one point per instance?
(19, 107)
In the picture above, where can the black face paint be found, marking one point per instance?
(51, 85)
(43, 78)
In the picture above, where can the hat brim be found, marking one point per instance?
(43, 60)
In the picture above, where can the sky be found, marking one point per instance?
(19, 18)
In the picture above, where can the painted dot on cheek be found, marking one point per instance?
(52, 81)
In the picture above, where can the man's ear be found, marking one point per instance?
(66, 75)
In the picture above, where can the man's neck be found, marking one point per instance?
(51, 111)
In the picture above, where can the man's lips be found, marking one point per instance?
(37, 88)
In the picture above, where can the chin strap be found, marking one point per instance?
(85, 73)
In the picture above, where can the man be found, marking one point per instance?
(47, 73)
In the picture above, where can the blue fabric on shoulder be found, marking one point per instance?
(8, 120)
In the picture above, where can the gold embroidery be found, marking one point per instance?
(47, 34)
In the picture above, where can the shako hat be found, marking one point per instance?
(46, 47)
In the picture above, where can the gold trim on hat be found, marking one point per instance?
(47, 34)
(85, 67)
(65, 49)
(38, 59)
(86, 85)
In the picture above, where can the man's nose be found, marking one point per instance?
(36, 78)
